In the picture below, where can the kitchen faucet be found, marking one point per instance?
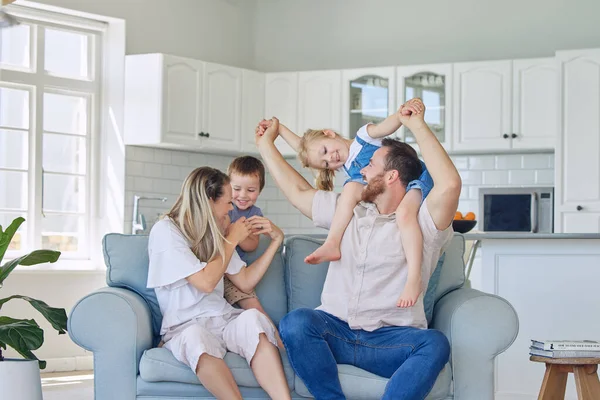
(138, 222)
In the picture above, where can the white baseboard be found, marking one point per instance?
(68, 364)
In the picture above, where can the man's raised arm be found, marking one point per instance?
(297, 190)
(442, 201)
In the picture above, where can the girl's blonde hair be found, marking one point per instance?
(325, 177)
(193, 214)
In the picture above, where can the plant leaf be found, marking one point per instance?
(7, 235)
(33, 258)
(56, 316)
(23, 335)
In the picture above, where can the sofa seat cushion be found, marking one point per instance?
(159, 365)
(359, 384)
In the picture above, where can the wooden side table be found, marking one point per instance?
(557, 371)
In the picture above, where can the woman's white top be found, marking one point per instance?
(171, 262)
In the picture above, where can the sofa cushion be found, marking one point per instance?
(271, 288)
(126, 258)
(304, 283)
(362, 385)
(429, 299)
(452, 274)
(159, 365)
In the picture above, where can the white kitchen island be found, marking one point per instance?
(553, 282)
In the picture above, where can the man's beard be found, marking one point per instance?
(374, 188)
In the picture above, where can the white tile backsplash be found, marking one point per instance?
(495, 178)
(509, 161)
(160, 173)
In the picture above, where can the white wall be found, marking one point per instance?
(219, 31)
(333, 34)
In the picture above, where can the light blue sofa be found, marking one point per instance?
(120, 324)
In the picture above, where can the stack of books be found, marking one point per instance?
(565, 348)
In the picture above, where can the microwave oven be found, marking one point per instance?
(516, 209)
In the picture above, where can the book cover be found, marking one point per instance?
(582, 345)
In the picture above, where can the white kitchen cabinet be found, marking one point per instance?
(368, 96)
(281, 101)
(535, 101)
(482, 105)
(163, 101)
(319, 100)
(433, 84)
(180, 103)
(222, 107)
(577, 190)
(253, 107)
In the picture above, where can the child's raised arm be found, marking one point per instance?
(392, 123)
(290, 137)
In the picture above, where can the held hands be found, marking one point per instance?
(238, 231)
(268, 129)
(261, 225)
(412, 113)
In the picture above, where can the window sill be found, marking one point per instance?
(63, 266)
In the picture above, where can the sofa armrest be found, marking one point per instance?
(479, 326)
(115, 325)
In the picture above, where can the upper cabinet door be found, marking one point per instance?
(253, 107)
(281, 101)
(482, 105)
(577, 151)
(535, 103)
(432, 84)
(222, 107)
(182, 100)
(319, 100)
(368, 96)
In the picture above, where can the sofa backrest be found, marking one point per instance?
(126, 258)
(304, 283)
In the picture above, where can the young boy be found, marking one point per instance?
(247, 178)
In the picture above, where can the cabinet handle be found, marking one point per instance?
(505, 136)
(513, 135)
(202, 134)
(579, 208)
(207, 134)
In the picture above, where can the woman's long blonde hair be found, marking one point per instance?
(325, 177)
(193, 214)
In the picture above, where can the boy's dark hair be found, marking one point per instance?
(403, 158)
(248, 165)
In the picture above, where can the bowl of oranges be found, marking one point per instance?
(463, 223)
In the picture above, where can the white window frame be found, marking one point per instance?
(105, 171)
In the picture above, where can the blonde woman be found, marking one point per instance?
(190, 251)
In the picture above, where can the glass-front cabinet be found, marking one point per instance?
(433, 84)
(368, 95)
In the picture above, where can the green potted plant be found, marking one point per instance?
(20, 378)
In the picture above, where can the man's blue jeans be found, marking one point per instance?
(317, 341)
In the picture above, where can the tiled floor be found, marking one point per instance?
(77, 385)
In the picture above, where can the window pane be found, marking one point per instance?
(66, 53)
(14, 108)
(13, 149)
(13, 190)
(65, 114)
(14, 46)
(64, 154)
(64, 193)
(19, 240)
(61, 232)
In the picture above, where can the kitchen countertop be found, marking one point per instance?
(510, 235)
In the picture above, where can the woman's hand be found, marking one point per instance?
(261, 225)
(238, 231)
